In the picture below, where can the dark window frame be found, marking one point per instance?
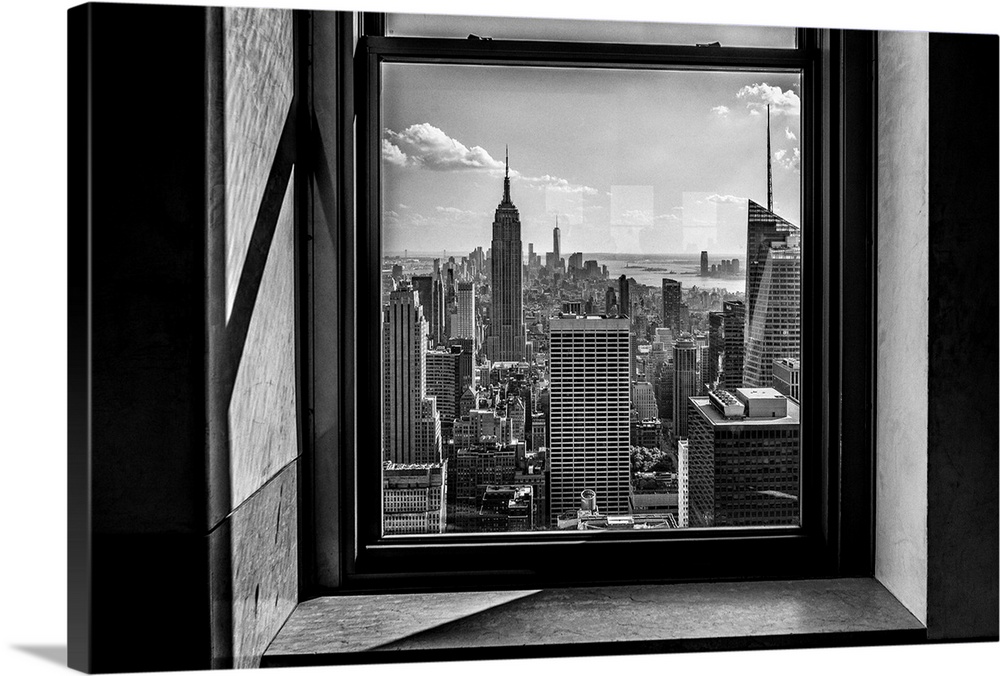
(838, 191)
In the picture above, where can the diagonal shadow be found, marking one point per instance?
(400, 643)
(50, 653)
(259, 246)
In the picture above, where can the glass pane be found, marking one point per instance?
(590, 298)
(582, 30)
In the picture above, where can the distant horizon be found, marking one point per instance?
(586, 256)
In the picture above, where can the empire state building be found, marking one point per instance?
(505, 341)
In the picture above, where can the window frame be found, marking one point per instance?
(838, 190)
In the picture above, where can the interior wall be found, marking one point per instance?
(254, 521)
(963, 407)
(902, 321)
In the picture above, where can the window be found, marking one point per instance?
(421, 513)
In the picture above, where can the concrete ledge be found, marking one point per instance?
(595, 620)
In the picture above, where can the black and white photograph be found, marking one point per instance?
(431, 336)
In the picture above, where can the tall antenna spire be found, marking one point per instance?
(770, 194)
(506, 175)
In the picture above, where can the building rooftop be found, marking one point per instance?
(710, 413)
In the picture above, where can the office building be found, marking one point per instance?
(716, 348)
(704, 264)
(466, 327)
(443, 383)
(556, 260)
(411, 425)
(413, 498)
(506, 334)
(589, 413)
(774, 327)
(785, 377)
(644, 400)
(683, 465)
(743, 459)
(733, 344)
(685, 382)
(672, 305)
(610, 302)
(763, 229)
(624, 298)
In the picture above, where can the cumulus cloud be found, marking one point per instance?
(721, 111)
(424, 145)
(758, 96)
(789, 134)
(788, 160)
(393, 155)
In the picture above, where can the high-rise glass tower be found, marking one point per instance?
(505, 341)
(733, 344)
(555, 247)
(685, 382)
(589, 413)
(411, 425)
(774, 329)
(763, 228)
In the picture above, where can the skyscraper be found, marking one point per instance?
(610, 302)
(763, 228)
(774, 327)
(555, 247)
(466, 312)
(685, 382)
(733, 344)
(506, 337)
(411, 425)
(716, 348)
(624, 300)
(704, 263)
(743, 459)
(442, 383)
(589, 413)
(672, 305)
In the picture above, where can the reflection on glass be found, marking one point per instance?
(584, 30)
(590, 295)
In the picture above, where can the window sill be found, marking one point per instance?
(592, 621)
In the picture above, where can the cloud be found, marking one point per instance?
(788, 160)
(758, 96)
(424, 145)
(393, 155)
(555, 183)
(725, 199)
(789, 134)
(721, 111)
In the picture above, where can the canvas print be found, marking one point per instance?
(410, 337)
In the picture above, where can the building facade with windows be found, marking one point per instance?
(411, 425)
(589, 413)
(743, 459)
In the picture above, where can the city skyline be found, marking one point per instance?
(633, 169)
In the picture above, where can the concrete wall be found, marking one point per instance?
(937, 439)
(254, 517)
(901, 382)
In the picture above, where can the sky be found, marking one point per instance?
(629, 161)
